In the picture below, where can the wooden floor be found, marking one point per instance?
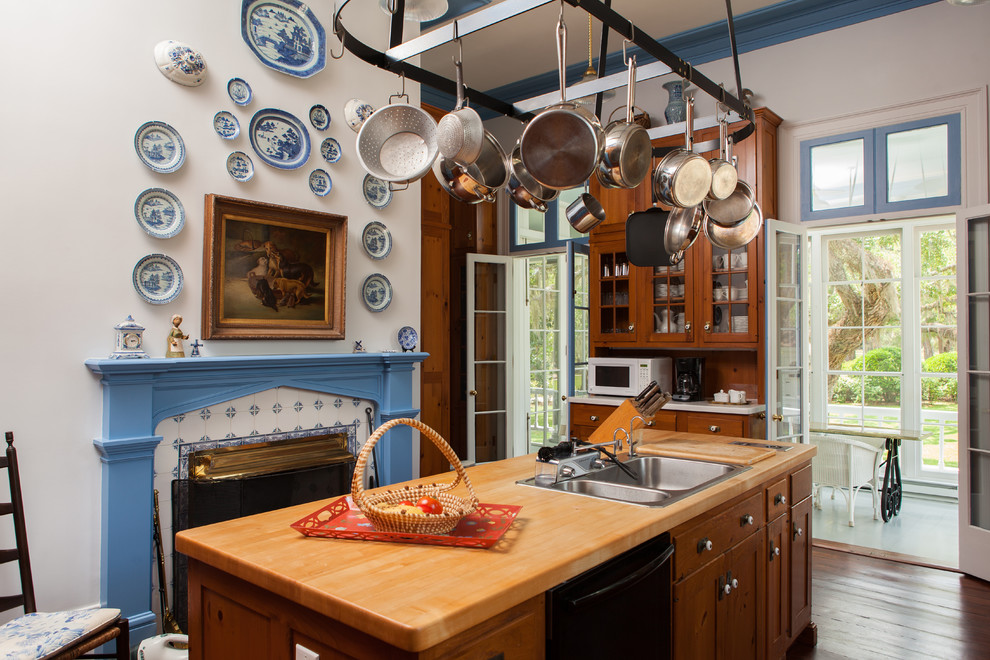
(866, 607)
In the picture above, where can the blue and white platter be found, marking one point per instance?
(240, 166)
(319, 117)
(226, 125)
(239, 91)
(408, 338)
(159, 212)
(320, 183)
(377, 240)
(376, 192)
(157, 278)
(279, 139)
(330, 150)
(376, 292)
(159, 146)
(285, 35)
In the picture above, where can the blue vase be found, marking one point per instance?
(675, 111)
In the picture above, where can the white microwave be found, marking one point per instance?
(625, 377)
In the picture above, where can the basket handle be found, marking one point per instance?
(357, 482)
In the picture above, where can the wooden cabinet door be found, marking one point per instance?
(728, 288)
(669, 309)
(741, 621)
(800, 566)
(613, 295)
(778, 576)
(695, 608)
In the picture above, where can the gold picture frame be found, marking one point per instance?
(272, 272)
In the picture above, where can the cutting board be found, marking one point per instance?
(711, 451)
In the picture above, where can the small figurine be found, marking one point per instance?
(195, 348)
(175, 337)
(358, 348)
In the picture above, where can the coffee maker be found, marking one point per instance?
(687, 385)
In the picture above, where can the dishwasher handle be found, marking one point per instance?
(635, 576)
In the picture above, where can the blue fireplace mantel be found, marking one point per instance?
(140, 393)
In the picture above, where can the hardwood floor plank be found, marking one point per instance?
(867, 607)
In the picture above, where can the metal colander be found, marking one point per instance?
(398, 143)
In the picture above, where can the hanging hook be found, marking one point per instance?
(625, 58)
(337, 57)
(391, 6)
(460, 50)
(402, 75)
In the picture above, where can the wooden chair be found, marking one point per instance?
(49, 635)
(847, 463)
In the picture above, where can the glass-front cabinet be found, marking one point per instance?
(613, 298)
(730, 288)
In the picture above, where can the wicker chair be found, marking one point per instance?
(49, 635)
(847, 463)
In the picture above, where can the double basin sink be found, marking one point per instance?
(658, 481)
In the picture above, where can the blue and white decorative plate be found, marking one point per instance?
(319, 117)
(320, 183)
(408, 338)
(226, 125)
(157, 278)
(180, 63)
(285, 35)
(239, 91)
(377, 292)
(355, 112)
(376, 192)
(240, 166)
(330, 150)
(279, 139)
(159, 146)
(159, 212)
(377, 240)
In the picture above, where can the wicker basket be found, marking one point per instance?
(391, 520)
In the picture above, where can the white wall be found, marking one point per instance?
(79, 79)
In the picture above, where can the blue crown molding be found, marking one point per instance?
(769, 26)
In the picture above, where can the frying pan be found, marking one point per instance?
(733, 238)
(561, 146)
(645, 237)
(683, 226)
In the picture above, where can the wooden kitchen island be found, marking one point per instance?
(257, 588)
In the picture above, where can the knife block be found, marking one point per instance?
(621, 418)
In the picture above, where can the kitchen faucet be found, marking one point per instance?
(632, 439)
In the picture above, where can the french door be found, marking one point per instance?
(787, 332)
(973, 284)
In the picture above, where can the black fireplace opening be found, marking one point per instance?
(198, 502)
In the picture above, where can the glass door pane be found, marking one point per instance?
(488, 340)
(786, 403)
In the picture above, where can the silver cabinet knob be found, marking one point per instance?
(708, 327)
(687, 327)
(704, 544)
(594, 418)
(632, 327)
(798, 532)
(714, 429)
(746, 520)
(780, 499)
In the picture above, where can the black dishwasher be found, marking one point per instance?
(618, 609)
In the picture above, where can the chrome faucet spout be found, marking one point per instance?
(632, 439)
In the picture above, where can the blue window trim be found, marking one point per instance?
(868, 172)
(549, 231)
(875, 170)
(954, 196)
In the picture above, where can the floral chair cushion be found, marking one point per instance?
(37, 635)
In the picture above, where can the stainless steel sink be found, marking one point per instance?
(659, 481)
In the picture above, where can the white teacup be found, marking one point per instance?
(739, 260)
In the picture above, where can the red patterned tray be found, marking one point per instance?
(341, 519)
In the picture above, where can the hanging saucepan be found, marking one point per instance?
(460, 132)
(683, 227)
(628, 155)
(398, 143)
(683, 178)
(478, 181)
(585, 213)
(733, 238)
(526, 191)
(724, 174)
(734, 209)
(561, 145)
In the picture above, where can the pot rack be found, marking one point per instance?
(394, 59)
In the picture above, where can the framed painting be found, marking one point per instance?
(272, 272)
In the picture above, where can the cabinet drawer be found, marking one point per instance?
(777, 498)
(731, 425)
(723, 531)
(586, 414)
(665, 420)
(800, 484)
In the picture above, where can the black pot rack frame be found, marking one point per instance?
(394, 59)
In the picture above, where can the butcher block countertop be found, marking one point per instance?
(415, 596)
